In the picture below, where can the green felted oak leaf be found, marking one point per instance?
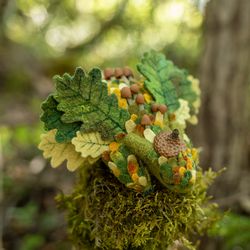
(52, 120)
(84, 97)
(165, 81)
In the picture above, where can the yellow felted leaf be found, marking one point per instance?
(130, 125)
(149, 135)
(90, 144)
(59, 152)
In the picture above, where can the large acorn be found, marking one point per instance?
(169, 144)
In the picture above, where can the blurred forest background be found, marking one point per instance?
(41, 38)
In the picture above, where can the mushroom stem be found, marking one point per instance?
(125, 79)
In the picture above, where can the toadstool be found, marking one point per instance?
(118, 73)
(145, 121)
(126, 93)
(162, 108)
(108, 73)
(140, 101)
(154, 107)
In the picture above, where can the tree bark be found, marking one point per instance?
(225, 82)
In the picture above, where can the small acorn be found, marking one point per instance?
(169, 144)
(140, 101)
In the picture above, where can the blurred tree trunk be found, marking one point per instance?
(225, 80)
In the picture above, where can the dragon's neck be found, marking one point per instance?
(144, 150)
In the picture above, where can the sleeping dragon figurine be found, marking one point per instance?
(135, 126)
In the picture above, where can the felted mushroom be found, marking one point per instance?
(118, 73)
(162, 108)
(108, 73)
(126, 93)
(154, 107)
(140, 101)
(145, 121)
(134, 89)
(127, 72)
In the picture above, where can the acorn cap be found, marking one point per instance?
(126, 92)
(108, 73)
(154, 107)
(162, 108)
(145, 120)
(140, 99)
(135, 88)
(127, 72)
(169, 144)
(118, 72)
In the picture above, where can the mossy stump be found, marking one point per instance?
(104, 214)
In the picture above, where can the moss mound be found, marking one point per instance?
(103, 214)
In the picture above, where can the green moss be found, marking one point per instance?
(103, 214)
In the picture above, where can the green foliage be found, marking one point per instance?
(52, 120)
(105, 215)
(235, 230)
(26, 215)
(32, 241)
(166, 82)
(84, 97)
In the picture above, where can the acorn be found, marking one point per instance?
(108, 73)
(169, 144)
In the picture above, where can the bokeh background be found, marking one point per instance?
(41, 38)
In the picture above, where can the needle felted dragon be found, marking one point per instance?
(135, 126)
(126, 136)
